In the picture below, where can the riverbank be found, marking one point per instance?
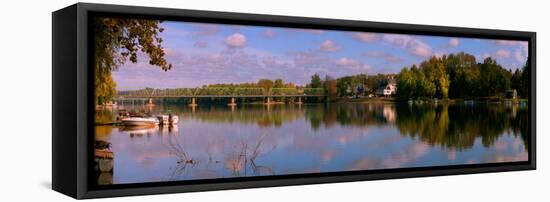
(449, 101)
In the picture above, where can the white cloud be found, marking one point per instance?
(311, 31)
(205, 29)
(521, 49)
(352, 64)
(236, 40)
(269, 33)
(454, 42)
(413, 45)
(366, 37)
(389, 58)
(347, 62)
(200, 44)
(519, 56)
(329, 46)
(501, 53)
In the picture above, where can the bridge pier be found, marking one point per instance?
(232, 103)
(150, 102)
(193, 102)
(299, 101)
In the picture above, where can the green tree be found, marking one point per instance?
(434, 70)
(316, 81)
(278, 83)
(517, 81)
(117, 40)
(494, 80)
(463, 74)
(526, 80)
(406, 82)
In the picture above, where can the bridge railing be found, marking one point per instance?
(213, 91)
(134, 93)
(284, 91)
(249, 91)
(190, 92)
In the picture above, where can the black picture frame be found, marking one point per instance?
(72, 104)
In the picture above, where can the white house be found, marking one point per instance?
(387, 90)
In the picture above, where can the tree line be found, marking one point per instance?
(358, 85)
(262, 83)
(460, 76)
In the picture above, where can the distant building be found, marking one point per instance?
(386, 90)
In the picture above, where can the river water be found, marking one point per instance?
(257, 140)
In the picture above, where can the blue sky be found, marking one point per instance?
(213, 53)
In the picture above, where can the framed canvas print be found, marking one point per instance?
(154, 100)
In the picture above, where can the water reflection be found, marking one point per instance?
(255, 140)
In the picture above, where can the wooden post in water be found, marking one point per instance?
(150, 102)
(232, 103)
(299, 101)
(268, 101)
(193, 102)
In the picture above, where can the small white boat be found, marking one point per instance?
(139, 121)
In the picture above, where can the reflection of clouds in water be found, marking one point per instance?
(348, 137)
(409, 154)
(301, 171)
(386, 141)
(397, 159)
(472, 161)
(500, 158)
(328, 155)
(451, 154)
(500, 145)
(366, 164)
(518, 145)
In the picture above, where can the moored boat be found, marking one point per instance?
(139, 121)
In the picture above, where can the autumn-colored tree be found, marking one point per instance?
(434, 70)
(330, 86)
(117, 40)
(265, 83)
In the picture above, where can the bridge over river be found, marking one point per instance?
(148, 95)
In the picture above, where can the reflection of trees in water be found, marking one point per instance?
(458, 126)
(520, 125)
(264, 116)
(104, 116)
(103, 132)
(453, 126)
(354, 114)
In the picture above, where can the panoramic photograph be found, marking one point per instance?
(177, 101)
